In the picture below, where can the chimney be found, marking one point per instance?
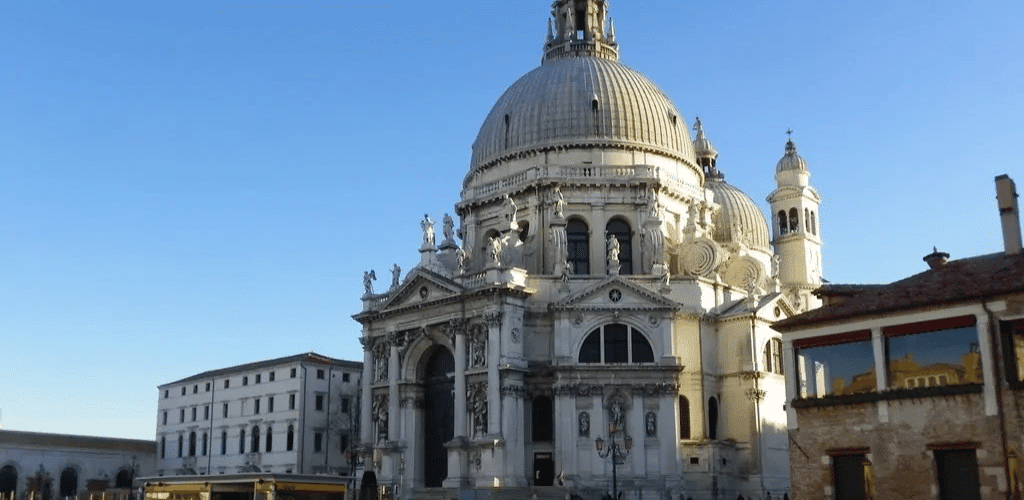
(936, 259)
(1006, 195)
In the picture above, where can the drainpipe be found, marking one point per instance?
(997, 348)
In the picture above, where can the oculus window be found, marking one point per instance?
(616, 343)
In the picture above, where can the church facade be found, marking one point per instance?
(599, 317)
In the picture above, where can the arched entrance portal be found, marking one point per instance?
(8, 480)
(439, 417)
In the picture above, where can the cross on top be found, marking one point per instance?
(789, 132)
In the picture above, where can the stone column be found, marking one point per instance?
(456, 448)
(366, 405)
(493, 320)
(394, 398)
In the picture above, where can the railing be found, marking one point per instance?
(567, 172)
(474, 280)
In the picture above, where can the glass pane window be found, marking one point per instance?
(836, 369)
(616, 343)
(939, 357)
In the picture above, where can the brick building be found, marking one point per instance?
(913, 390)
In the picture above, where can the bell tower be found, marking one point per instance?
(796, 236)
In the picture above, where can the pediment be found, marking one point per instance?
(764, 308)
(616, 292)
(421, 287)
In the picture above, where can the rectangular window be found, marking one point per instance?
(318, 442)
(241, 442)
(958, 474)
(256, 407)
(245, 380)
(206, 412)
(270, 404)
(224, 442)
(343, 443)
(292, 373)
(195, 389)
(183, 391)
(225, 410)
(344, 405)
(193, 413)
(182, 419)
(227, 383)
(851, 477)
(320, 374)
(258, 377)
(207, 387)
(165, 418)
(319, 402)
(836, 365)
(345, 377)
(923, 357)
(167, 393)
(291, 401)
(271, 376)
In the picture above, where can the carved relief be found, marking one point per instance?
(651, 424)
(584, 424)
(701, 258)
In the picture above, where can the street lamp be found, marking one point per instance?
(617, 454)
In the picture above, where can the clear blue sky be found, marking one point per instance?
(190, 185)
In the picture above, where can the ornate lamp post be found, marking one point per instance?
(617, 453)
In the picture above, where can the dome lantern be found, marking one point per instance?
(581, 29)
(706, 155)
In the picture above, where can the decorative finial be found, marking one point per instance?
(551, 34)
(611, 30)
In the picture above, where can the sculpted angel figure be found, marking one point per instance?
(396, 273)
(510, 210)
(460, 261)
(494, 249)
(559, 203)
(428, 231)
(368, 278)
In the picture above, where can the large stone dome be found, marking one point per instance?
(579, 102)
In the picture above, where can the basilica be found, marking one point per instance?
(597, 320)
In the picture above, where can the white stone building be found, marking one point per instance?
(609, 285)
(47, 466)
(291, 415)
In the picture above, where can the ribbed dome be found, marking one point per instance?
(582, 102)
(738, 210)
(791, 160)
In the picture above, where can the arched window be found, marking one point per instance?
(684, 418)
(181, 445)
(9, 481)
(577, 236)
(807, 220)
(241, 442)
(543, 419)
(270, 438)
(290, 440)
(124, 478)
(783, 223)
(224, 442)
(794, 220)
(192, 444)
(68, 482)
(814, 224)
(712, 418)
(773, 356)
(620, 229)
(616, 343)
(255, 439)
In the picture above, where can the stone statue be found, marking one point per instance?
(380, 364)
(510, 211)
(478, 407)
(396, 274)
(448, 228)
(613, 247)
(651, 424)
(380, 414)
(368, 278)
(666, 276)
(584, 422)
(618, 417)
(478, 350)
(559, 203)
(566, 271)
(460, 261)
(494, 250)
(428, 231)
(775, 265)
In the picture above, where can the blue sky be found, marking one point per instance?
(190, 185)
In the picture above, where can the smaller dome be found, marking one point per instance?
(739, 213)
(791, 160)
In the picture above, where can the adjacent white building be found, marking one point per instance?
(290, 415)
(603, 289)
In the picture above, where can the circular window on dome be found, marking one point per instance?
(616, 343)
